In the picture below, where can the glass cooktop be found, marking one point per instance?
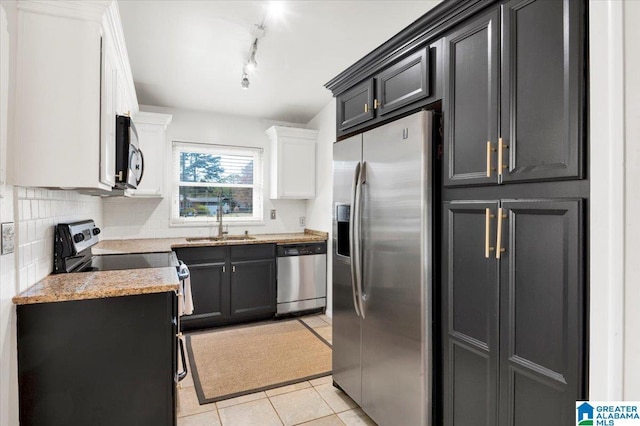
(116, 262)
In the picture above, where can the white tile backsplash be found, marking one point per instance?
(39, 210)
(126, 218)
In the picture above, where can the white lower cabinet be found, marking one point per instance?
(151, 129)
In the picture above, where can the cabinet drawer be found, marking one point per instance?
(194, 255)
(249, 252)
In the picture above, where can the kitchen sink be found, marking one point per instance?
(225, 238)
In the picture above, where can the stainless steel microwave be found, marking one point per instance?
(129, 158)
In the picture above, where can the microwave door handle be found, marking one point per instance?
(141, 167)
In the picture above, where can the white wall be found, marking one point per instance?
(139, 218)
(319, 209)
(614, 273)
(631, 386)
(8, 353)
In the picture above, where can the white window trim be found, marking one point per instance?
(258, 184)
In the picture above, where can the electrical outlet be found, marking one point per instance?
(273, 214)
(303, 221)
(8, 237)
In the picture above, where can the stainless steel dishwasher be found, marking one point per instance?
(302, 277)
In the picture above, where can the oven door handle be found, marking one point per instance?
(182, 374)
(184, 274)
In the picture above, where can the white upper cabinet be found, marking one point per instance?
(151, 129)
(293, 162)
(72, 70)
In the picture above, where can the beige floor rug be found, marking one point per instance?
(242, 360)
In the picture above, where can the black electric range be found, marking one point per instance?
(72, 252)
(116, 262)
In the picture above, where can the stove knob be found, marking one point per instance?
(78, 237)
(95, 231)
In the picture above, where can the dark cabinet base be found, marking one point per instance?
(230, 285)
(98, 362)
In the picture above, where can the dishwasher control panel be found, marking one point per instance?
(302, 249)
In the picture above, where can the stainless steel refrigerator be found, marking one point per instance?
(382, 270)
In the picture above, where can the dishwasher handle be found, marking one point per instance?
(304, 249)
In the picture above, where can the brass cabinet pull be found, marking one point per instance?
(376, 104)
(499, 248)
(490, 149)
(487, 229)
(366, 107)
(501, 148)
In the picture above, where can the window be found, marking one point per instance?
(208, 178)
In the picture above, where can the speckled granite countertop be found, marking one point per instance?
(100, 284)
(154, 245)
(96, 285)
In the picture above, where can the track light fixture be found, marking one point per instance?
(258, 31)
(244, 83)
(251, 64)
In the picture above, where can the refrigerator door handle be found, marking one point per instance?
(352, 238)
(358, 236)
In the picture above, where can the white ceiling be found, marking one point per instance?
(189, 54)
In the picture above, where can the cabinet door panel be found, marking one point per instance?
(108, 81)
(151, 138)
(253, 287)
(209, 290)
(403, 83)
(351, 105)
(542, 298)
(106, 361)
(542, 82)
(469, 315)
(471, 101)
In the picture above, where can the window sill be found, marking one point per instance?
(208, 224)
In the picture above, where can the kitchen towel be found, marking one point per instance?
(185, 303)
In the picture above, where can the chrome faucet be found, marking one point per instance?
(221, 232)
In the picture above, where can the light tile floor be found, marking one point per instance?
(311, 403)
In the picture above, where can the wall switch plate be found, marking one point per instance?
(303, 220)
(273, 214)
(8, 237)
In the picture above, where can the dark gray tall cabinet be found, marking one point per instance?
(510, 78)
(513, 292)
